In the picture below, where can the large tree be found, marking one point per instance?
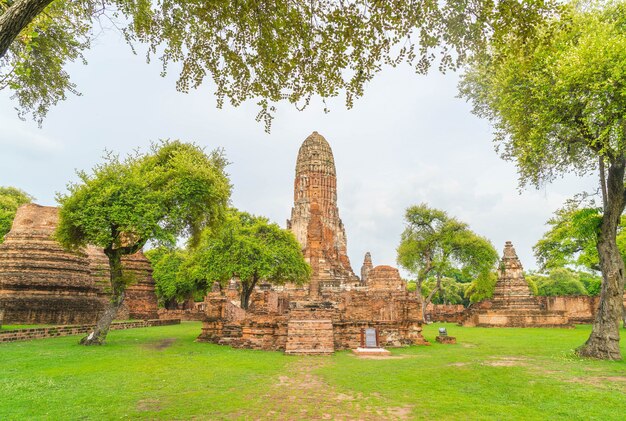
(11, 198)
(251, 249)
(437, 246)
(268, 51)
(174, 189)
(557, 100)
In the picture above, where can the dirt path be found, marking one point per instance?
(300, 394)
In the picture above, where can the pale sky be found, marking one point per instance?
(408, 140)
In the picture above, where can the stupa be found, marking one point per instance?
(513, 304)
(40, 282)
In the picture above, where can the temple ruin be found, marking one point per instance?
(40, 282)
(513, 304)
(315, 217)
(338, 310)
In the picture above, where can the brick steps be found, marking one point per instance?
(310, 337)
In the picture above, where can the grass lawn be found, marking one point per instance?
(161, 373)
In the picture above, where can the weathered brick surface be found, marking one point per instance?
(449, 313)
(54, 331)
(513, 304)
(315, 217)
(40, 282)
(310, 337)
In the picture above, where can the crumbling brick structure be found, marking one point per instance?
(336, 308)
(40, 282)
(513, 304)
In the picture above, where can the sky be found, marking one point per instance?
(408, 140)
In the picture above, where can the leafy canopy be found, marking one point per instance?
(11, 198)
(174, 189)
(250, 248)
(573, 237)
(556, 96)
(435, 245)
(171, 285)
(254, 50)
(560, 281)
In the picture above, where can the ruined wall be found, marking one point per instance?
(449, 313)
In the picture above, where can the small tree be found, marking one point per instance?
(175, 189)
(434, 245)
(252, 249)
(10, 199)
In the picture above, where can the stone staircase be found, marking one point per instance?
(310, 337)
(230, 333)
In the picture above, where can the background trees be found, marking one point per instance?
(557, 101)
(11, 198)
(175, 189)
(251, 249)
(436, 246)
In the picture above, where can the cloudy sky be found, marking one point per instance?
(408, 140)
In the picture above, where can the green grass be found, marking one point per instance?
(15, 327)
(161, 373)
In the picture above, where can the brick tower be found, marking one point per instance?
(315, 217)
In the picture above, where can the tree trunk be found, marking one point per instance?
(118, 293)
(16, 18)
(427, 300)
(603, 343)
(246, 291)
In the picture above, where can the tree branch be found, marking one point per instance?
(16, 18)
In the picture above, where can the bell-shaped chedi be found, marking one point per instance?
(385, 278)
(40, 282)
(315, 217)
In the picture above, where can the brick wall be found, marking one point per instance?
(54, 331)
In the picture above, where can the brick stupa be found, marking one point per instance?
(40, 282)
(315, 217)
(513, 304)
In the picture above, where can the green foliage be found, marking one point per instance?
(573, 236)
(175, 189)
(482, 287)
(268, 52)
(171, 285)
(437, 246)
(560, 281)
(10, 199)
(171, 191)
(250, 248)
(450, 291)
(556, 96)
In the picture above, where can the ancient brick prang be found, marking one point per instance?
(40, 282)
(315, 217)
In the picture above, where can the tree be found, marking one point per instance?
(266, 51)
(560, 281)
(175, 189)
(482, 287)
(172, 287)
(10, 199)
(251, 249)
(572, 238)
(435, 245)
(450, 291)
(557, 101)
